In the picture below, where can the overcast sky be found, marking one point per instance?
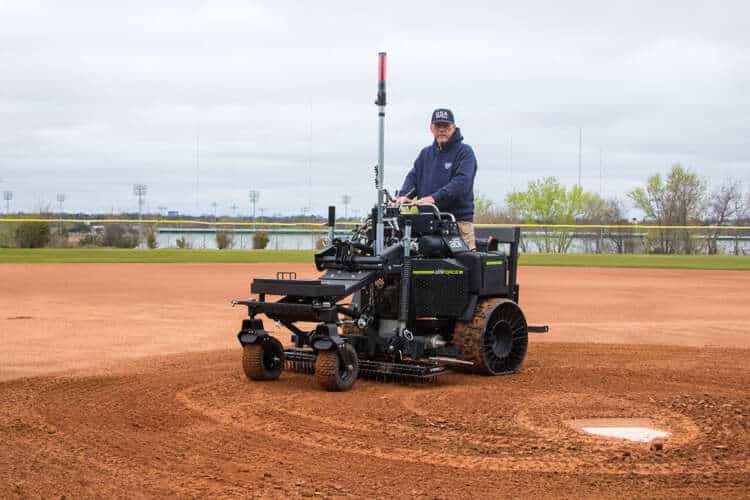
(96, 96)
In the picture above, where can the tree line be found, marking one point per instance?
(37, 234)
(681, 198)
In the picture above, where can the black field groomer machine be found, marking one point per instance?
(420, 300)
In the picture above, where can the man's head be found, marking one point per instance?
(442, 125)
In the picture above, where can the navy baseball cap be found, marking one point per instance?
(442, 115)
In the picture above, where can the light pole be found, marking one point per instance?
(60, 201)
(140, 191)
(233, 207)
(7, 196)
(346, 199)
(254, 197)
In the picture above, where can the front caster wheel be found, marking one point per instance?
(263, 360)
(337, 369)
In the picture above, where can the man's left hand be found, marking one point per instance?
(427, 200)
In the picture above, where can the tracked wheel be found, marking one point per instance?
(337, 370)
(496, 338)
(263, 360)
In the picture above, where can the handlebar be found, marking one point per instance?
(440, 215)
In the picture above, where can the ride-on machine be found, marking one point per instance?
(402, 298)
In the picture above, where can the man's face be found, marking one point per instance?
(442, 132)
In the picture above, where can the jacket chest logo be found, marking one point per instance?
(448, 165)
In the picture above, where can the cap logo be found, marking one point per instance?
(441, 115)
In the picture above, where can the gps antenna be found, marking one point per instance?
(380, 102)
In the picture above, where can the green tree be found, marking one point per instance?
(483, 206)
(7, 235)
(32, 235)
(321, 243)
(679, 200)
(485, 211)
(260, 240)
(90, 240)
(151, 237)
(223, 239)
(183, 242)
(546, 201)
(120, 236)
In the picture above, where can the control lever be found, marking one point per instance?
(408, 194)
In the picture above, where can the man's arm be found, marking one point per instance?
(410, 182)
(461, 182)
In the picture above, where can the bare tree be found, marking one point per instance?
(724, 208)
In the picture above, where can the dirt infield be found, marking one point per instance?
(125, 380)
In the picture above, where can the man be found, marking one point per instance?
(443, 174)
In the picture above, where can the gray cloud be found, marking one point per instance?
(97, 96)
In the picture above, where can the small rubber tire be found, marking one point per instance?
(263, 360)
(334, 374)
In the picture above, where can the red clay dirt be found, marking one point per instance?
(124, 380)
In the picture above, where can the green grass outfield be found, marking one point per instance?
(116, 255)
(106, 255)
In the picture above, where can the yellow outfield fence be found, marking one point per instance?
(187, 222)
(545, 238)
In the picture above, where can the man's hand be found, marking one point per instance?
(427, 200)
(402, 199)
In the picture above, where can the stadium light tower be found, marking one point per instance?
(140, 191)
(61, 200)
(254, 197)
(346, 199)
(7, 196)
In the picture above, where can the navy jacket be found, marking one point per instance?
(447, 175)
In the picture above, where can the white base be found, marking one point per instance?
(640, 434)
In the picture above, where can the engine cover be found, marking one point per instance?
(439, 288)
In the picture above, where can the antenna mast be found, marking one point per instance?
(380, 102)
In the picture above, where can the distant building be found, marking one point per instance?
(173, 213)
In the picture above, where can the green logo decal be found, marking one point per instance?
(439, 271)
